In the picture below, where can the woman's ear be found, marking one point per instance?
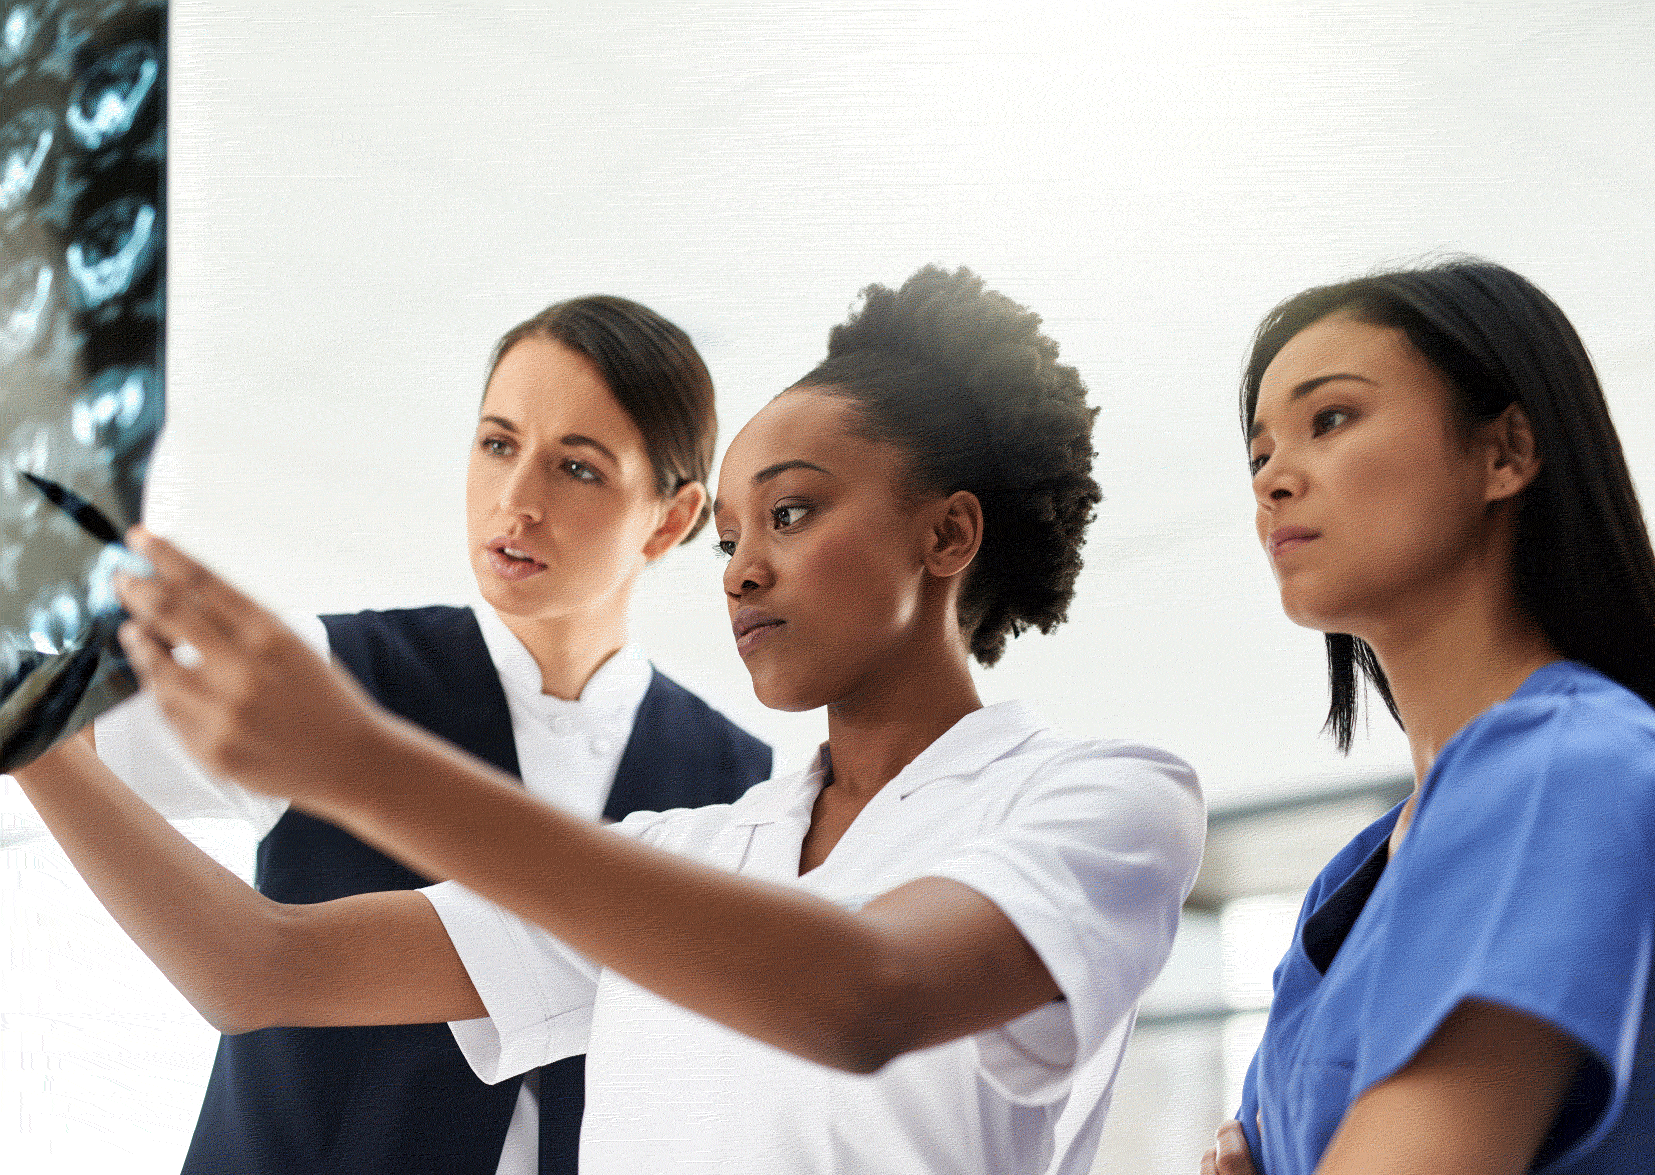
(956, 533)
(1512, 461)
(682, 509)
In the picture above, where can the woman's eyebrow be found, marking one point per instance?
(1304, 389)
(576, 438)
(770, 471)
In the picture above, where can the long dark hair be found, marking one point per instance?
(1581, 561)
(654, 372)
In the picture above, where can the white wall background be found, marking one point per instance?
(364, 195)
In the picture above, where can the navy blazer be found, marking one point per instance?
(402, 1100)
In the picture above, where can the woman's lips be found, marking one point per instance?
(512, 563)
(1285, 539)
(747, 641)
(751, 627)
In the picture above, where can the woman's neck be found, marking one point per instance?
(1446, 665)
(568, 649)
(878, 732)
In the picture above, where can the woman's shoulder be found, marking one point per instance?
(667, 702)
(1573, 685)
(1052, 757)
(429, 636)
(1569, 747)
(1117, 787)
(423, 616)
(1567, 717)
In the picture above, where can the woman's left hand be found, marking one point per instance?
(247, 697)
(1229, 1154)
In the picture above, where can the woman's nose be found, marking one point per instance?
(746, 571)
(1278, 480)
(521, 494)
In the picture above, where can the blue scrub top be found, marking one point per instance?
(1527, 879)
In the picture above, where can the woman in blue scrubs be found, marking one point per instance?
(1440, 490)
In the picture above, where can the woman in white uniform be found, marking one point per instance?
(896, 960)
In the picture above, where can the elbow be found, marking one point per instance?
(848, 1050)
(863, 1045)
(877, 1021)
(233, 1013)
(250, 985)
(234, 1021)
(863, 1058)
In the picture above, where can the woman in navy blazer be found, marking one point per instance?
(592, 451)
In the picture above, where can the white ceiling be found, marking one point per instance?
(364, 195)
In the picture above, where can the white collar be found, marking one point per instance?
(971, 744)
(611, 697)
(963, 750)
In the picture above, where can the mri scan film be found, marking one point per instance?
(82, 307)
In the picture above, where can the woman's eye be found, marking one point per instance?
(786, 516)
(495, 447)
(1328, 418)
(725, 547)
(1254, 464)
(581, 471)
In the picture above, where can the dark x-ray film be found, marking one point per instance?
(82, 308)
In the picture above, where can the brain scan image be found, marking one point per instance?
(82, 310)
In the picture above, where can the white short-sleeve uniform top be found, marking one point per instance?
(567, 754)
(1089, 847)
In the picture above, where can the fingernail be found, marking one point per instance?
(136, 565)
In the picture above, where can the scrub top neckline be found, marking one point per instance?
(1327, 927)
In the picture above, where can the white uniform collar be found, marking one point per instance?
(964, 749)
(608, 702)
(971, 744)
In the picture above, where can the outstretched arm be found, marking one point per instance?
(241, 959)
(929, 962)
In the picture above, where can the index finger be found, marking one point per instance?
(182, 602)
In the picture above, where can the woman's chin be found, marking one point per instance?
(499, 597)
(527, 599)
(777, 692)
(1309, 609)
(782, 698)
(1327, 621)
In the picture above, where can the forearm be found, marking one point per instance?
(213, 936)
(845, 989)
(1477, 1099)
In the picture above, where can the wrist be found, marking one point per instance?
(360, 774)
